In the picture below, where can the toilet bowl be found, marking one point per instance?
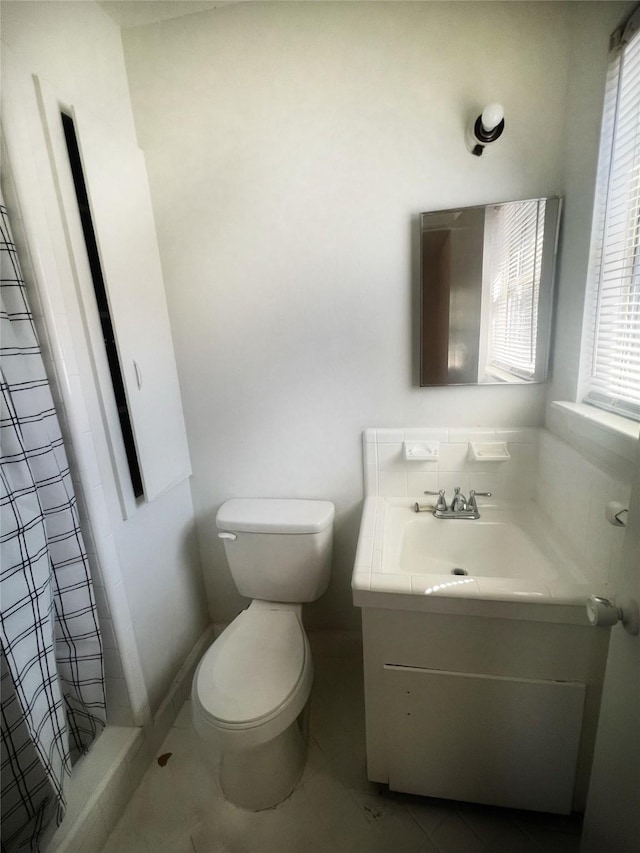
(250, 696)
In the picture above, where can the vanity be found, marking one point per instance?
(483, 676)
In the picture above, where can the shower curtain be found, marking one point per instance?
(52, 679)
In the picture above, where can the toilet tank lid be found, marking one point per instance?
(275, 515)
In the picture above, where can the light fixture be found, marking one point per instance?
(486, 129)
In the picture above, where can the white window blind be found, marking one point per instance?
(612, 312)
(515, 285)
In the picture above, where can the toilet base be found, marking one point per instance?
(261, 777)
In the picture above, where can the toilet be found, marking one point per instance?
(251, 689)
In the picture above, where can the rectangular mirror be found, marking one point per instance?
(486, 285)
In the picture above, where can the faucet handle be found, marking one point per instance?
(441, 503)
(472, 497)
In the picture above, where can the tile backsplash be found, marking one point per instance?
(388, 474)
(571, 490)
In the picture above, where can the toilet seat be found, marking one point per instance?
(256, 677)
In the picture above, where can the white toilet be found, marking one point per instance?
(251, 689)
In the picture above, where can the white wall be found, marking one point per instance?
(77, 49)
(290, 147)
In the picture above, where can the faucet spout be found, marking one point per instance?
(459, 502)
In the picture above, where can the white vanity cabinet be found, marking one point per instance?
(501, 711)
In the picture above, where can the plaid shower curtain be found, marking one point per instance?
(52, 680)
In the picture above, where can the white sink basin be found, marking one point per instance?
(509, 554)
(495, 545)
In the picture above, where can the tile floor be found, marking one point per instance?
(178, 807)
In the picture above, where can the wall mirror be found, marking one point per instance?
(486, 284)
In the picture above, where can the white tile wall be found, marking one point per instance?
(570, 489)
(573, 492)
(387, 474)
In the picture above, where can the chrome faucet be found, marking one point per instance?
(460, 506)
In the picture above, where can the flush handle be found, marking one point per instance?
(616, 514)
(230, 536)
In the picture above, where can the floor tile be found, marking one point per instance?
(427, 814)
(172, 798)
(550, 841)
(319, 816)
(337, 721)
(552, 833)
(453, 835)
(179, 807)
(391, 825)
(498, 831)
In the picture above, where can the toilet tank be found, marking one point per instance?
(278, 550)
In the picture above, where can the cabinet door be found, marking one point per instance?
(119, 198)
(487, 739)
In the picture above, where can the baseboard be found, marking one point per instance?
(180, 689)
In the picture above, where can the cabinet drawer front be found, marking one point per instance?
(503, 741)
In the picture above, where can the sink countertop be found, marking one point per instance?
(375, 585)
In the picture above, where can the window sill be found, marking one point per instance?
(608, 421)
(605, 436)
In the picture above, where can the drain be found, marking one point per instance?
(459, 572)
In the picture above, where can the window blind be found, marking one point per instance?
(612, 313)
(515, 285)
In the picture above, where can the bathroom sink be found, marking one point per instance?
(405, 560)
(475, 633)
(495, 545)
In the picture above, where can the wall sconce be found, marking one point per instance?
(486, 129)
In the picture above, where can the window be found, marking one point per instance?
(611, 358)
